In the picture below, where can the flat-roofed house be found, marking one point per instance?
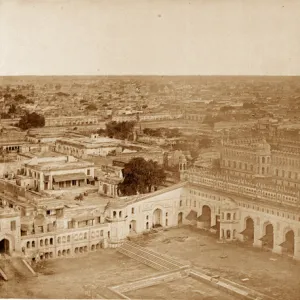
(83, 146)
(59, 173)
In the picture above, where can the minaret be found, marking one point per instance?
(183, 167)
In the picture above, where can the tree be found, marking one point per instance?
(12, 109)
(91, 107)
(140, 176)
(31, 120)
(248, 105)
(58, 86)
(120, 130)
(205, 143)
(20, 97)
(226, 108)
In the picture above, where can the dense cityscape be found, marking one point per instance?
(153, 183)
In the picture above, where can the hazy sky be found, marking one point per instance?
(171, 37)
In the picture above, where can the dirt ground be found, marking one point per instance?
(187, 289)
(268, 273)
(82, 277)
(88, 276)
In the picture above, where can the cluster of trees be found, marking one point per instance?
(118, 130)
(31, 120)
(62, 94)
(141, 176)
(91, 106)
(162, 132)
(17, 97)
(211, 120)
(249, 105)
(194, 146)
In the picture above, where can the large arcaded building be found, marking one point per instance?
(254, 208)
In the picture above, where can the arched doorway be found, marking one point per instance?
(206, 216)
(132, 226)
(4, 246)
(180, 218)
(289, 243)
(105, 189)
(157, 218)
(248, 232)
(268, 238)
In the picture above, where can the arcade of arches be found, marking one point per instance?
(267, 240)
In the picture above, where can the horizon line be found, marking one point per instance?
(151, 75)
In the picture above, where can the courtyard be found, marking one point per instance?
(270, 274)
(89, 275)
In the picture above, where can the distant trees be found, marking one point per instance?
(248, 105)
(62, 94)
(211, 120)
(58, 86)
(91, 106)
(19, 97)
(141, 176)
(12, 109)
(226, 108)
(29, 101)
(162, 132)
(194, 145)
(5, 115)
(31, 120)
(119, 130)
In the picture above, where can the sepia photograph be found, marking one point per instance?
(150, 149)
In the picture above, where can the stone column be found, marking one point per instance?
(213, 219)
(258, 233)
(277, 241)
(297, 246)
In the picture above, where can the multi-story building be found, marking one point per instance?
(82, 147)
(255, 158)
(72, 121)
(263, 213)
(55, 173)
(246, 158)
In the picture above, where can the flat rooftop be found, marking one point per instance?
(88, 142)
(60, 165)
(66, 199)
(39, 154)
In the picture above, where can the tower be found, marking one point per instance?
(183, 167)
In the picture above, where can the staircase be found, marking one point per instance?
(13, 267)
(148, 257)
(8, 271)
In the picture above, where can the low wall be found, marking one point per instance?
(229, 287)
(152, 280)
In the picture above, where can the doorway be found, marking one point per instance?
(4, 246)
